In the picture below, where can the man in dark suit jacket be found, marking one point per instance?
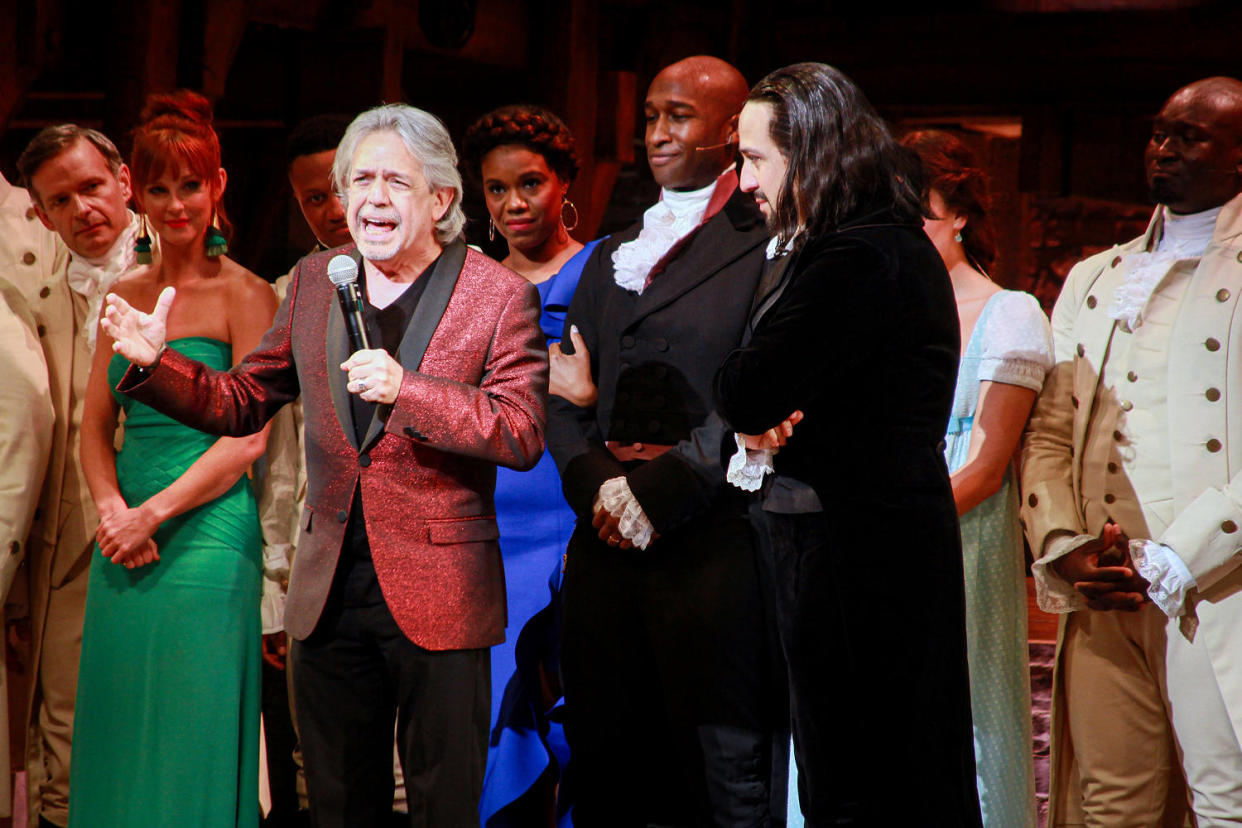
(397, 588)
(666, 652)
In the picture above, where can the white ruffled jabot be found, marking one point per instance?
(1183, 237)
(93, 278)
(664, 224)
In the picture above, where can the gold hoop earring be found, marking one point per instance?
(569, 205)
(491, 229)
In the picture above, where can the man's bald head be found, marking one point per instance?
(1194, 157)
(691, 110)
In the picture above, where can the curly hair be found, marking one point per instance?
(950, 168)
(176, 129)
(530, 126)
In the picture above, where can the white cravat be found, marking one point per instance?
(93, 278)
(1183, 237)
(664, 224)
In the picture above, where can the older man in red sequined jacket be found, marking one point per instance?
(397, 588)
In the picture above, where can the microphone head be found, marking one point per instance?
(342, 270)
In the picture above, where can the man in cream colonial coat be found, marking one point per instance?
(80, 189)
(1132, 493)
(27, 251)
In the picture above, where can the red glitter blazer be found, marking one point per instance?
(473, 396)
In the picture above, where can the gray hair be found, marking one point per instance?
(52, 141)
(425, 136)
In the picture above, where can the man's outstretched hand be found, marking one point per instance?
(137, 336)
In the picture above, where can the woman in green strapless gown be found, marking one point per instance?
(166, 728)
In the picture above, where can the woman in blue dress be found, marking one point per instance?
(1006, 351)
(524, 157)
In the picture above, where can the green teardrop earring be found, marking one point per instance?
(142, 246)
(217, 245)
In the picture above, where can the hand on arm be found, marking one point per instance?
(569, 375)
(137, 336)
(774, 438)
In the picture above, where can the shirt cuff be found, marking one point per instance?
(1169, 581)
(272, 607)
(615, 496)
(747, 467)
(1052, 592)
(276, 560)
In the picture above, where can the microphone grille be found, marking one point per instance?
(342, 270)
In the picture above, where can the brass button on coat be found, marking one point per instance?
(1091, 301)
(1229, 527)
(1127, 405)
(1131, 376)
(1222, 295)
(1073, 401)
(1212, 343)
(1081, 350)
(1118, 436)
(45, 292)
(1032, 501)
(1112, 468)
(1213, 394)
(1110, 498)
(1213, 445)
(1117, 261)
(28, 258)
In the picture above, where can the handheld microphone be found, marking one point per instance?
(343, 273)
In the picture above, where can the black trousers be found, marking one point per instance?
(668, 680)
(870, 605)
(357, 673)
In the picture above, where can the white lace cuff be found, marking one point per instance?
(1052, 592)
(272, 607)
(1168, 579)
(615, 496)
(747, 468)
(275, 584)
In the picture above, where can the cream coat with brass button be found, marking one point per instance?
(1070, 487)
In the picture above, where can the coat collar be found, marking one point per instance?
(735, 231)
(1228, 225)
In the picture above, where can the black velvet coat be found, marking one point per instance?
(863, 339)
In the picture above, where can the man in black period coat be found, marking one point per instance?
(667, 658)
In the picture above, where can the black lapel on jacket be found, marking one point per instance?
(715, 246)
(441, 282)
(336, 347)
(771, 286)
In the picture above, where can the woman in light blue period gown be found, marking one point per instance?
(1006, 352)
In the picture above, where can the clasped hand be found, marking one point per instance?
(1103, 571)
(124, 537)
(374, 376)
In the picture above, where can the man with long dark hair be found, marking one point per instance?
(860, 335)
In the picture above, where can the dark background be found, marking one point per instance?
(1056, 95)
